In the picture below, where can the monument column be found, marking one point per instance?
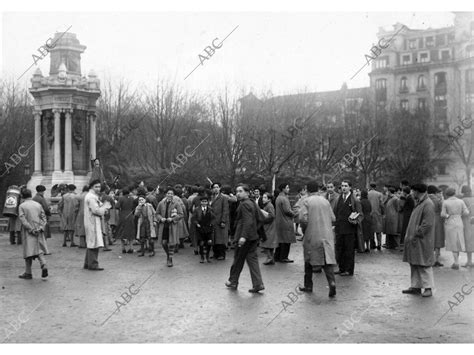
(68, 142)
(57, 140)
(92, 120)
(37, 116)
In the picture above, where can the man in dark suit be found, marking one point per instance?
(204, 217)
(247, 237)
(346, 231)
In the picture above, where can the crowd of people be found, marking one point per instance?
(335, 222)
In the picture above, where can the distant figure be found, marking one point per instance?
(376, 201)
(468, 222)
(284, 225)
(33, 220)
(437, 198)
(97, 172)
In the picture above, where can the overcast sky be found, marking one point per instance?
(285, 52)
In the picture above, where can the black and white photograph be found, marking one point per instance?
(252, 173)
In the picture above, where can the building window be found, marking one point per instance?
(440, 79)
(406, 59)
(403, 85)
(422, 104)
(420, 42)
(424, 57)
(421, 83)
(451, 37)
(470, 51)
(429, 41)
(412, 44)
(404, 105)
(381, 83)
(382, 62)
(445, 54)
(441, 40)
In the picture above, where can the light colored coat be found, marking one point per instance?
(67, 209)
(376, 201)
(174, 228)
(284, 220)
(453, 210)
(32, 217)
(93, 213)
(420, 234)
(318, 243)
(150, 212)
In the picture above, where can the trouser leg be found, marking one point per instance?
(339, 248)
(42, 260)
(426, 276)
(415, 277)
(12, 238)
(28, 263)
(277, 254)
(165, 246)
(252, 262)
(93, 258)
(379, 239)
(349, 252)
(329, 272)
(208, 249)
(18, 238)
(308, 276)
(201, 248)
(238, 263)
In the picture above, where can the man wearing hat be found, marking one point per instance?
(68, 208)
(39, 197)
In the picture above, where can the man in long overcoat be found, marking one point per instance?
(220, 207)
(168, 213)
(68, 210)
(376, 201)
(419, 242)
(39, 197)
(318, 244)
(94, 211)
(33, 221)
(284, 224)
(391, 225)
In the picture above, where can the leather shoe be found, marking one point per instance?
(437, 263)
(170, 262)
(332, 290)
(427, 293)
(346, 273)
(107, 249)
(96, 269)
(26, 276)
(256, 289)
(337, 272)
(269, 262)
(287, 261)
(44, 272)
(231, 285)
(305, 289)
(412, 291)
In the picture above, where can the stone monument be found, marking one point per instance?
(64, 113)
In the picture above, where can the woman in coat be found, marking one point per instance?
(453, 210)
(271, 242)
(433, 194)
(126, 228)
(468, 220)
(367, 224)
(168, 214)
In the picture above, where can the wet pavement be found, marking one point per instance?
(136, 300)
